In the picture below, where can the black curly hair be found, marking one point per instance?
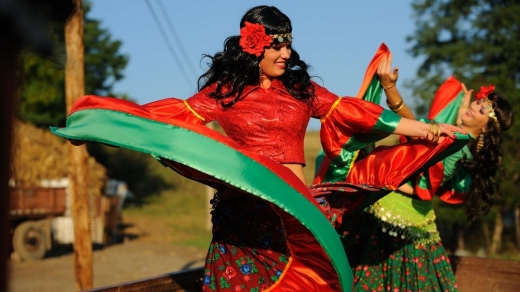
(233, 69)
(487, 161)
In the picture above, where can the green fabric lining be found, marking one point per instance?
(450, 112)
(384, 126)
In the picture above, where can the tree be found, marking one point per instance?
(42, 99)
(477, 41)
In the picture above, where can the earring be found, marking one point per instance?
(480, 142)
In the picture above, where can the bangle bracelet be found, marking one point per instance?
(435, 130)
(386, 88)
(397, 106)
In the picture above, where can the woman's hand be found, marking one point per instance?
(437, 136)
(387, 77)
(466, 100)
(433, 132)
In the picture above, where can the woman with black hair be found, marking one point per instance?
(394, 245)
(269, 233)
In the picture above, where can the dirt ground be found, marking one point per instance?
(144, 253)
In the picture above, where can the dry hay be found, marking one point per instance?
(38, 154)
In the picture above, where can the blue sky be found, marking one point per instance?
(337, 39)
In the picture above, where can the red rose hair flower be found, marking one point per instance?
(253, 38)
(484, 91)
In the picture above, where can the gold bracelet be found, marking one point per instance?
(399, 108)
(435, 130)
(393, 85)
(395, 107)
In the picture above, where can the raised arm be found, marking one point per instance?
(388, 78)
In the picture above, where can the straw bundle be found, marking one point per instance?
(37, 154)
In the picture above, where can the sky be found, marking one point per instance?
(337, 40)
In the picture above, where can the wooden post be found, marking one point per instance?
(74, 88)
(8, 94)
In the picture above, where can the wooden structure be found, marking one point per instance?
(473, 275)
(30, 214)
(78, 156)
(37, 202)
(40, 218)
(184, 281)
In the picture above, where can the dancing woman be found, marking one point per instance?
(269, 234)
(394, 245)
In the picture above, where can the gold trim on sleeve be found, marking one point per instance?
(330, 110)
(193, 111)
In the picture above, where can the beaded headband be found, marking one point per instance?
(492, 114)
(280, 38)
(254, 40)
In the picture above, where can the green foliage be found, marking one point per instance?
(477, 41)
(42, 100)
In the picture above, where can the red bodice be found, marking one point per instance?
(269, 122)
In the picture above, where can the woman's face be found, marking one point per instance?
(275, 60)
(477, 116)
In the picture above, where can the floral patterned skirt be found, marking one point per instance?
(248, 251)
(384, 261)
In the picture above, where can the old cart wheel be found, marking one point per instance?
(29, 241)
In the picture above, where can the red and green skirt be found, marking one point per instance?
(391, 251)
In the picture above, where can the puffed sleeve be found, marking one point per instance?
(198, 109)
(349, 124)
(446, 179)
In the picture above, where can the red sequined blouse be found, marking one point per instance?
(271, 122)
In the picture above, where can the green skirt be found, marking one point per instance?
(395, 246)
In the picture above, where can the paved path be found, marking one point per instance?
(118, 263)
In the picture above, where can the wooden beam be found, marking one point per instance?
(471, 273)
(78, 156)
(183, 281)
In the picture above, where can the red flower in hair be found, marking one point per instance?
(253, 38)
(484, 91)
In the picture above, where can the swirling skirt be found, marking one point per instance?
(249, 251)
